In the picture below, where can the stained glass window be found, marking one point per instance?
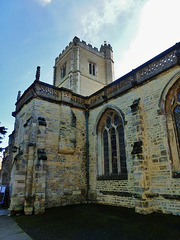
(177, 121)
(108, 122)
(114, 151)
(113, 145)
(106, 152)
(116, 119)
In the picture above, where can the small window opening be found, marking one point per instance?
(92, 69)
(63, 71)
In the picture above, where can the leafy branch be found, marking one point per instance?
(3, 132)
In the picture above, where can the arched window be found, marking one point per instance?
(106, 152)
(173, 125)
(177, 121)
(111, 152)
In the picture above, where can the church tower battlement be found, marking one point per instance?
(84, 69)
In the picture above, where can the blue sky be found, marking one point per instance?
(34, 32)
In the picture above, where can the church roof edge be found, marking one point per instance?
(160, 63)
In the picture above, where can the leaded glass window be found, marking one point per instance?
(114, 151)
(106, 152)
(113, 143)
(173, 126)
(177, 121)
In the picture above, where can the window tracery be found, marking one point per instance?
(112, 157)
(173, 125)
(177, 117)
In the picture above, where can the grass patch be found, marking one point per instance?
(93, 221)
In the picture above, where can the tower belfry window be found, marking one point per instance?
(92, 68)
(63, 71)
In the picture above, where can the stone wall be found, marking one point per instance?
(66, 179)
(49, 168)
(150, 185)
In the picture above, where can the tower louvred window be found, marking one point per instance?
(92, 68)
(63, 71)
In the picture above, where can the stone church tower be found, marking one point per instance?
(84, 69)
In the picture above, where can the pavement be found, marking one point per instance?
(9, 230)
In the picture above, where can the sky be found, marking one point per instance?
(34, 32)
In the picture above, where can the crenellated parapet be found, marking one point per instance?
(77, 42)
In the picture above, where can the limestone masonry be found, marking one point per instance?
(88, 138)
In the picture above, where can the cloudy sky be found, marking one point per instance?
(34, 32)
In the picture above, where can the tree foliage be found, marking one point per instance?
(3, 132)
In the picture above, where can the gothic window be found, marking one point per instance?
(106, 152)
(92, 69)
(112, 155)
(173, 124)
(177, 119)
(63, 71)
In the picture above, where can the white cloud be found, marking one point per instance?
(44, 2)
(157, 31)
(102, 18)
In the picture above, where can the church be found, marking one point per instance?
(90, 139)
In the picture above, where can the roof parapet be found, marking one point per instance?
(83, 44)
